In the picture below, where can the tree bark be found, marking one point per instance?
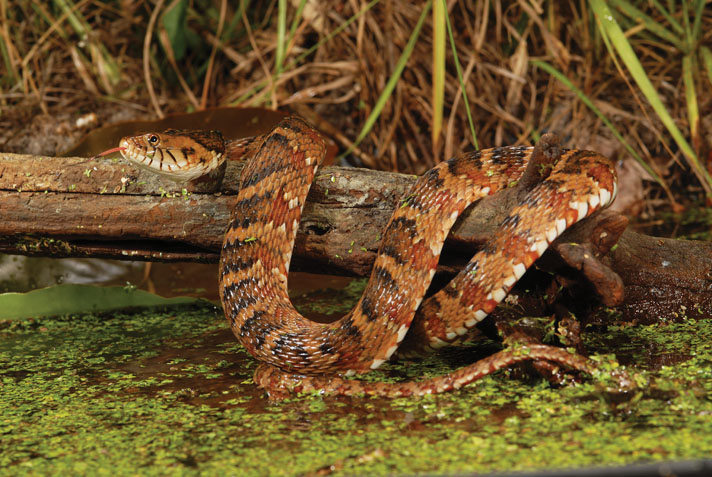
(108, 208)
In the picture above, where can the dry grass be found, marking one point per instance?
(66, 58)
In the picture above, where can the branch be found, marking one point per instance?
(106, 208)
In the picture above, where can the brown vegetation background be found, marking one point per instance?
(72, 66)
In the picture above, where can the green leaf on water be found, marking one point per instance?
(64, 299)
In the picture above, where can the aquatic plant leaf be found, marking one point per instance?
(174, 21)
(63, 299)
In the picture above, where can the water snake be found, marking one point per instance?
(298, 354)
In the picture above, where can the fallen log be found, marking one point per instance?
(108, 208)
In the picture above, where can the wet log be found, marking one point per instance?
(108, 208)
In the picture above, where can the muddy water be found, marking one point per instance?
(21, 274)
(170, 391)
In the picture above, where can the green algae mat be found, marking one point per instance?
(169, 391)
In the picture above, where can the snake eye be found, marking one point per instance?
(153, 139)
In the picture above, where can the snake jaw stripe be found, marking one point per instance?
(299, 354)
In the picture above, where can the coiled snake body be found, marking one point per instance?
(298, 354)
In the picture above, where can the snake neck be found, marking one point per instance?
(243, 148)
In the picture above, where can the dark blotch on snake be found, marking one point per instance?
(511, 221)
(290, 342)
(385, 279)
(400, 231)
(350, 329)
(238, 265)
(263, 172)
(463, 165)
(248, 326)
(433, 179)
(368, 308)
(326, 348)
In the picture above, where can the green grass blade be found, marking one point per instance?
(587, 101)
(458, 68)
(10, 76)
(665, 12)
(174, 19)
(610, 29)
(706, 55)
(80, 27)
(391, 84)
(281, 36)
(686, 18)
(236, 20)
(39, 10)
(439, 27)
(295, 22)
(697, 25)
(693, 112)
(650, 24)
(100, 54)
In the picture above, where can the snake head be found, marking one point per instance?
(178, 154)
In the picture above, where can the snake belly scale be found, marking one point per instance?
(298, 354)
